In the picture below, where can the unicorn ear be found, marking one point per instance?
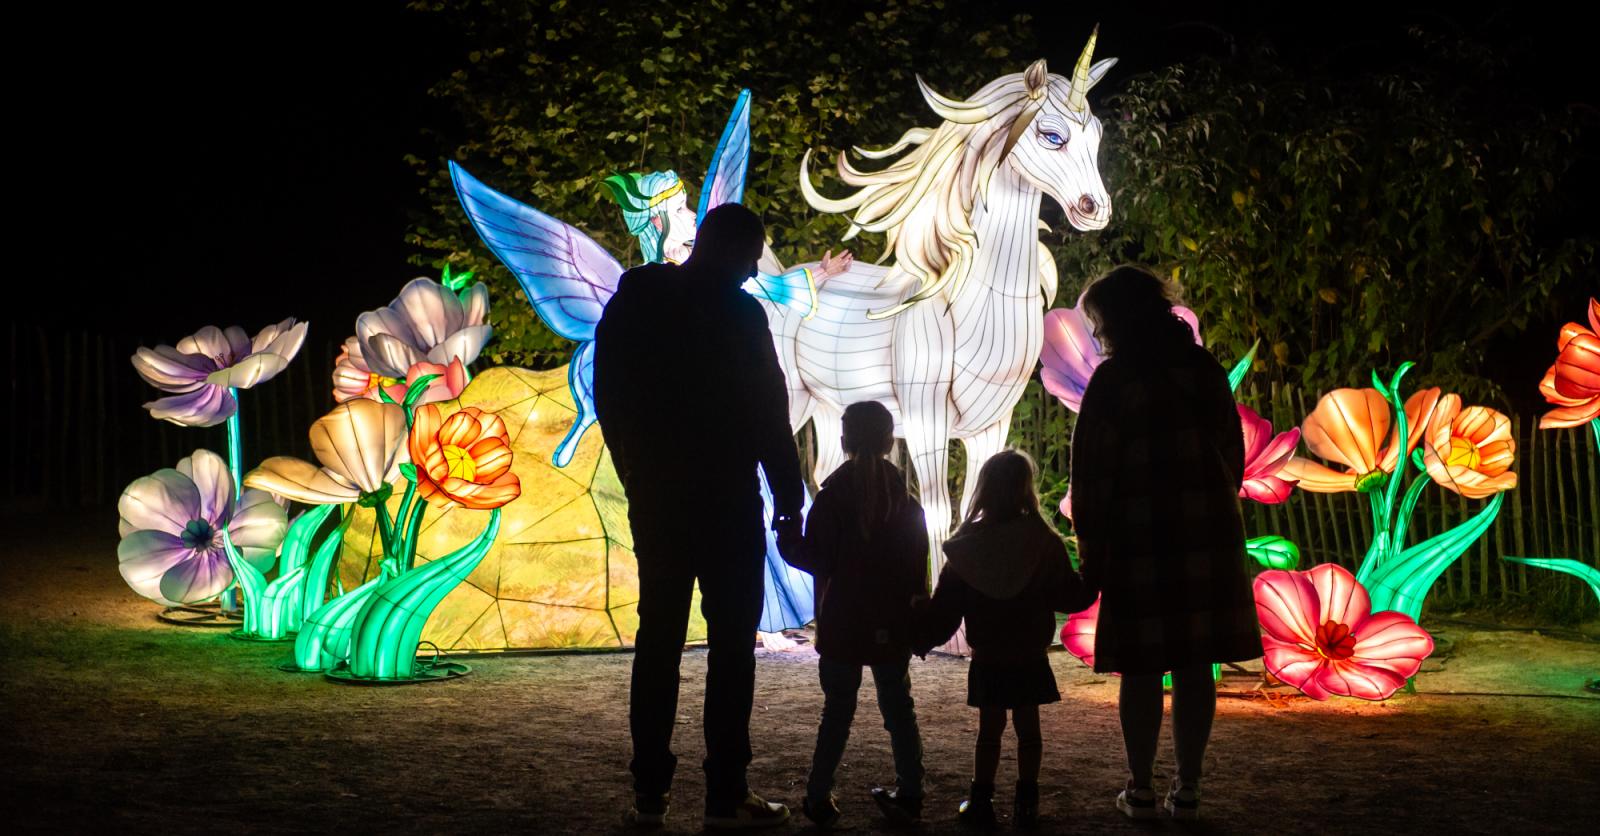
(1036, 77)
(1099, 70)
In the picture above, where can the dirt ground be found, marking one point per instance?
(116, 720)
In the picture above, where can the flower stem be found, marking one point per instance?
(235, 455)
(408, 541)
(230, 596)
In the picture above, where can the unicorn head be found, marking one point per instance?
(1035, 125)
(1054, 141)
(655, 206)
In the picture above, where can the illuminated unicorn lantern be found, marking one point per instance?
(569, 279)
(947, 336)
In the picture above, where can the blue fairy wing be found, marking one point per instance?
(567, 276)
(724, 181)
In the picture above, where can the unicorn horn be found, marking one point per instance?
(1077, 100)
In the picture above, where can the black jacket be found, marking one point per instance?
(864, 583)
(690, 396)
(1007, 579)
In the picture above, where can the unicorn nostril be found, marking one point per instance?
(1086, 205)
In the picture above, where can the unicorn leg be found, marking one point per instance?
(927, 433)
(927, 442)
(830, 454)
(980, 447)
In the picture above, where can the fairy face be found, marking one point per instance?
(676, 223)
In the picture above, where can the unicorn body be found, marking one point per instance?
(948, 336)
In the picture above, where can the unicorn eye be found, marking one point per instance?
(1053, 139)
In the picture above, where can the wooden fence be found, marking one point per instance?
(76, 434)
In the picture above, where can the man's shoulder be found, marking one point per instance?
(645, 277)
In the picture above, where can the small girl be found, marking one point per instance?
(867, 546)
(1008, 574)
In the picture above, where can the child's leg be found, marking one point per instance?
(893, 682)
(840, 682)
(1194, 704)
(1030, 743)
(1139, 706)
(986, 758)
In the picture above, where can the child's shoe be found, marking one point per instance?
(977, 811)
(1182, 802)
(1137, 802)
(1025, 809)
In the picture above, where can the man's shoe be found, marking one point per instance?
(824, 814)
(648, 811)
(752, 813)
(896, 807)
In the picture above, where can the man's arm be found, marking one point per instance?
(611, 382)
(769, 411)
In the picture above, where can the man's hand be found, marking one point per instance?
(789, 531)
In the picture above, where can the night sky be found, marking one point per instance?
(195, 166)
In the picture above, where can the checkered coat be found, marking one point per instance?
(1157, 461)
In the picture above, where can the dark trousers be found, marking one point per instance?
(730, 600)
(840, 683)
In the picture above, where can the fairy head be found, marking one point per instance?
(655, 206)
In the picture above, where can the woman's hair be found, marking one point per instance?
(1131, 310)
(1005, 489)
(868, 437)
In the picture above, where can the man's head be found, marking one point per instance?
(728, 244)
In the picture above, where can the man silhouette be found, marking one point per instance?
(691, 399)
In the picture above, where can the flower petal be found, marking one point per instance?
(210, 342)
(1347, 426)
(258, 528)
(283, 339)
(391, 356)
(200, 577)
(1393, 642)
(360, 440)
(1069, 356)
(461, 429)
(1575, 415)
(493, 457)
(214, 481)
(475, 307)
(206, 406)
(164, 501)
(1295, 665)
(301, 481)
(464, 345)
(1339, 597)
(246, 373)
(1578, 367)
(168, 369)
(144, 556)
(1078, 634)
(1420, 409)
(1348, 678)
(1311, 476)
(1267, 490)
(1288, 607)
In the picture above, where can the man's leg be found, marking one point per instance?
(666, 588)
(730, 598)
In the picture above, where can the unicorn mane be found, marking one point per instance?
(923, 201)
